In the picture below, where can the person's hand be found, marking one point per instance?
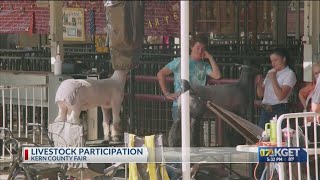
(310, 119)
(259, 80)
(207, 55)
(173, 96)
(272, 74)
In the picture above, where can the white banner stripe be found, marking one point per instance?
(134, 155)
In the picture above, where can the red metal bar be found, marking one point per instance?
(149, 97)
(154, 79)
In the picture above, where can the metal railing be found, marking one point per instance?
(306, 135)
(21, 105)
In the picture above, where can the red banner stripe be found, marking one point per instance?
(26, 154)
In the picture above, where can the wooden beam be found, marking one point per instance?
(56, 33)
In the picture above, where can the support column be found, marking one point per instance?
(315, 41)
(307, 46)
(275, 21)
(279, 10)
(265, 16)
(297, 5)
(56, 31)
(282, 23)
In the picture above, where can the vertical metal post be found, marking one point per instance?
(245, 27)
(297, 19)
(132, 124)
(193, 19)
(256, 24)
(237, 18)
(185, 110)
(282, 23)
(275, 21)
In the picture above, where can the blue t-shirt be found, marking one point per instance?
(198, 71)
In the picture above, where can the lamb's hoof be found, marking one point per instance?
(117, 138)
(107, 138)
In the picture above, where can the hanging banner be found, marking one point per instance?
(73, 24)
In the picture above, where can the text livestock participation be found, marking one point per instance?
(86, 151)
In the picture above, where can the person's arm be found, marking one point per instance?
(315, 107)
(259, 86)
(162, 74)
(303, 93)
(315, 100)
(280, 91)
(303, 101)
(215, 73)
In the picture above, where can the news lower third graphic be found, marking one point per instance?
(282, 154)
(134, 155)
(84, 155)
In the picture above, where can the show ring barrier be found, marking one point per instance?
(19, 106)
(310, 127)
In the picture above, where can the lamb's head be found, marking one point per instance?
(197, 106)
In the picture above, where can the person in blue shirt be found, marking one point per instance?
(201, 64)
(198, 71)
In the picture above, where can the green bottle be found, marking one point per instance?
(273, 131)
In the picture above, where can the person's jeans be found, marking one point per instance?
(175, 113)
(277, 110)
(265, 117)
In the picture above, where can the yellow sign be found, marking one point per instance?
(73, 24)
(101, 43)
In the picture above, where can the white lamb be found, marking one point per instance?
(76, 95)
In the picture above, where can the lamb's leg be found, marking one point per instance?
(74, 117)
(195, 133)
(62, 115)
(69, 113)
(116, 130)
(174, 138)
(106, 123)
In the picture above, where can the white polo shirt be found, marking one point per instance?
(284, 77)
